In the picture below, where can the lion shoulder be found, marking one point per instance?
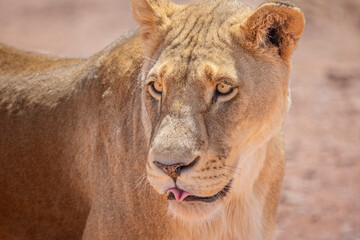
(16, 62)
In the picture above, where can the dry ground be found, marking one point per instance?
(321, 196)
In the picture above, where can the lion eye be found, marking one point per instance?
(157, 87)
(224, 89)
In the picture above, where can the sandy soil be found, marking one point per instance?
(321, 196)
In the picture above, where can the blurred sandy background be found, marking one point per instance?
(321, 194)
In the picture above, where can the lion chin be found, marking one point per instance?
(194, 210)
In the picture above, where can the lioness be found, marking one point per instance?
(194, 102)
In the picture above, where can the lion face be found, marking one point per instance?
(212, 95)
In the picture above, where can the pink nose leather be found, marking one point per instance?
(179, 194)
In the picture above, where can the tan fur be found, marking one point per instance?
(79, 136)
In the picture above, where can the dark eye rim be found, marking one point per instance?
(151, 84)
(224, 94)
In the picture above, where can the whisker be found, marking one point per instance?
(141, 183)
(231, 170)
(232, 167)
(152, 60)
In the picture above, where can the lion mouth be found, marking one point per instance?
(180, 195)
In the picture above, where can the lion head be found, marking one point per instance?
(216, 88)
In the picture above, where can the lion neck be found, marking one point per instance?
(249, 212)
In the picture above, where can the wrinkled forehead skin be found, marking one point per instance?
(199, 34)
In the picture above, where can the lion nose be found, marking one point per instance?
(174, 170)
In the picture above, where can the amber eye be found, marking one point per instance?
(224, 89)
(157, 87)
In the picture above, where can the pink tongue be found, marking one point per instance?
(179, 194)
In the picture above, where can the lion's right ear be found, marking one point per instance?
(153, 17)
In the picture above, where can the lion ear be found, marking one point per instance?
(152, 16)
(275, 25)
